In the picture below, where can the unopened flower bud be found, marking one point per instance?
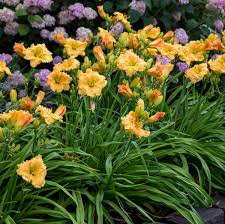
(156, 117)
(136, 83)
(87, 64)
(13, 95)
(125, 90)
(40, 97)
(36, 123)
(154, 97)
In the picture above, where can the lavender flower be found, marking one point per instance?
(182, 66)
(57, 30)
(90, 13)
(181, 35)
(139, 6)
(117, 29)
(165, 60)
(42, 75)
(22, 93)
(5, 87)
(44, 4)
(57, 60)
(7, 15)
(82, 33)
(7, 58)
(17, 79)
(49, 20)
(215, 56)
(184, 2)
(65, 17)
(10, 2)
(77, 10)
(216, 6)
(218, 24)
(11, 28)
(45, 34)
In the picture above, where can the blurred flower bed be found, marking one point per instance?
(118, 123)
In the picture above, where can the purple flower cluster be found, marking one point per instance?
(164, 60)
(218, 24)
(42, 75)
(181, 35)
(57, 60)
(7, 58)
(43, 4)
(50, 35)
(139, 6)
(47, 21)
(82, 33)
(217, 6)
(74, 11)
(15, 81)
(10, 2)
(182, 66)
(117, 29)
(7, 15)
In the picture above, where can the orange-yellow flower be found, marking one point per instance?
(193, 51)
(168, 36)
(4, 69)
(59, 38)
(218, 65)
(90, 83)
(18, 119)
(26, 103)
(33, 171)
(152, 51)
(213, 43)
(50, 117)
(106, 37)
(74, 48)
(132, 125)
(67, 65)
(154, 97)
(150, 32)
(37, 54)
(197, 73)
(130, 62)
(59, 81)
(160, 71)
(125, 90)
(166, 49)
(19, 49)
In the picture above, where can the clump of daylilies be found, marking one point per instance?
(29, 111)
(140, 62)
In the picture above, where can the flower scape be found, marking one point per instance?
(111, 128)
